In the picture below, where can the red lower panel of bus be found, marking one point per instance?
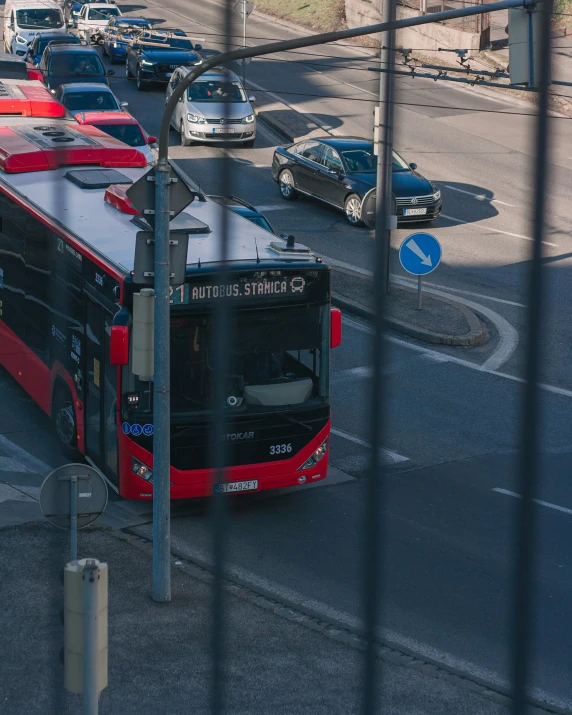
(198, 483)
(36, 377)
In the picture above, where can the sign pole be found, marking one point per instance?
(419, 279)
(161, 591)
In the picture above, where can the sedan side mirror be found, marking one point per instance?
(252, 99)
(123, 104)
(413, 166)
(151, 140)
(198, 47)
(110, 73)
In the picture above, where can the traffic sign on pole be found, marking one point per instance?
(244, 8)
(419, 255)
(142, 195)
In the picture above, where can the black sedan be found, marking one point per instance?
(154, 56)
(341, 171)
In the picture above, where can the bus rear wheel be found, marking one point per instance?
(63, 417)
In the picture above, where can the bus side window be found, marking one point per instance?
(12, 277)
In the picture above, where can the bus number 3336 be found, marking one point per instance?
(280, 448)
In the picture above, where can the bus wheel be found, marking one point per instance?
(63, 417)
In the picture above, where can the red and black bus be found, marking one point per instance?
(67, 245)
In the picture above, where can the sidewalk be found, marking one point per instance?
(277, 662)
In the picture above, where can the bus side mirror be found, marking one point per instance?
(119, 345)
(335, 327)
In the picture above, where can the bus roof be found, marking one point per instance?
(28, 98)
(110, 233)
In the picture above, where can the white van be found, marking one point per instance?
(24, 19)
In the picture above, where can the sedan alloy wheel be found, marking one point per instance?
(352, 209)
(286, 184)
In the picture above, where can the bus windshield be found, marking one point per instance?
(279, 360)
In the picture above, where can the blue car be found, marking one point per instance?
(120, 31)
(42, 40)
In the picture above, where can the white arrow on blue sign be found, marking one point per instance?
(420, 254)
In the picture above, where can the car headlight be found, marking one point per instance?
(146, 63)
(195, 119)
(437, 195)
(21, 40)
(141, 470)
(249, 119)
(316, 456)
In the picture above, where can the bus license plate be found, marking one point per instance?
(228, 487)
(415, 212)
(223, 130)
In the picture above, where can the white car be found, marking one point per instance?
(94, 18)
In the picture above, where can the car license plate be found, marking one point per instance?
(249, 486)
(415, 212)
(222, 130)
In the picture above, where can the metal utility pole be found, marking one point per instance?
(384, 195)
(90, 637)
(244, 42)
(161, 590)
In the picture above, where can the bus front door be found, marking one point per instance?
(101, 393)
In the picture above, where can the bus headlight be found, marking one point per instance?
(316, 456)
(141, 470)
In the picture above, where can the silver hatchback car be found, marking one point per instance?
(214, 109)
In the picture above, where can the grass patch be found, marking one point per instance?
(320, 15)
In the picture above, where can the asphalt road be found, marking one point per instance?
(452, 414)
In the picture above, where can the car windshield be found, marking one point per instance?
(216, 91)
(76, 64)
(131, 25)
(127, 133)
(168, 42)
(102, 13)
(39, 17)
(364, 161)
(43, 42)
(89, 101)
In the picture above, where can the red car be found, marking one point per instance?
(122, 126)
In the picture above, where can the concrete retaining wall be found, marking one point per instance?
(426, 37)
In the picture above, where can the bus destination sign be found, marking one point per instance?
(271, 284)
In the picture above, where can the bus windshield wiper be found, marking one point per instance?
(294, 421)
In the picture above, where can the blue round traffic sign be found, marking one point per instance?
(126, 427)
(420, 254)
(148, 430)
(136, 430)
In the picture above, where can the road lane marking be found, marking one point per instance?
(508, 335)
(536, 501)
(479, 197)
(563, 392)
(10, 493)
(389, 455)
(369, 274)
(245, 162)
(496, 230)
(27, 462)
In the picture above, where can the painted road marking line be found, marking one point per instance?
(10, 493)
(273, 207)
(245, 162)
(479, 197)
(496, 230)
(9, 464)
(369, 274)
(507, 333)
(28, 463)
(536, 501)
(458, 361)
(389, 455)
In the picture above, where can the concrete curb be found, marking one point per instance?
(474, 337)
(336, 632)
